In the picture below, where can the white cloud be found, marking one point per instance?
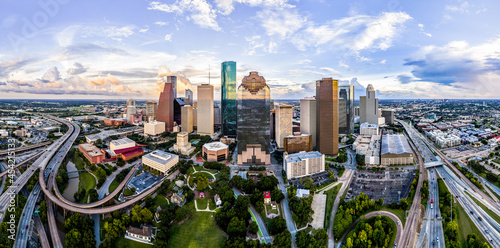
(227, 6)
(281, 23)
(161, 23)
(330, 71)
(463, 7)
(144, 30)
(421, 27)
(168, 37)
(201, 12)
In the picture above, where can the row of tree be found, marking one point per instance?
(374, 232)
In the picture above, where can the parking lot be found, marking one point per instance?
(143, 181)
(318, 179)
(385, 185)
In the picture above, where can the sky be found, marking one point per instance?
(68, 49)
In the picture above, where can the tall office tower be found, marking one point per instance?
(205, 110)
(131, 110)
(356, 111)
(368, 108)
(187, 119)
(308, 117)
(346, 109)
(254, 98)
(188, 97)
(228, 98)
(284, 125)
(217, 116)
(151, 109)
(388, 115)
(173, 81)
(327, 113)
(165, 112)
(272, 123)
(178, 103)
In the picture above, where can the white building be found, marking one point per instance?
(368, 145)
(368, 129)
(3, 133)
(183, 146)
(154, 128)
(160, 160)
(284, 126)
(303, 164)
(444, 140)
(121, 144)
(368, 108)
(205, 109)
(308, 117)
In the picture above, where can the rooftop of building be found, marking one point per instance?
(368, 125)
(91, 149)
(145, 231)
(122, 141)
(215, 146)
(156, 123)
(395, 144)
(160, 156)
(297, 157)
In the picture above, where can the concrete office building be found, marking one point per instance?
(121, 144)
(254, 100)
(298, 143)
(308, 117)
(368, 108)
(217, 116)
(154, 128)
(93, 154)
(284, 125)
(183, 146)
(346, 109)
(303, 164)
(151, 107)
(131, 110)
(160, 160)
(368, 129)
(327, 116)
(395, 150)
(228, 98)
(187, 119)
(205, 110)
(368, 145)
(165, 112)
(215, 151)
(388, 115)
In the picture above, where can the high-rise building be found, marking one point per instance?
(187, 119)
(205, 110)
(217, 116)
(308, 117)
(284, 125)
(228, 98)
(131, 110)
(388, 115)
(151, 109)
(368, 108)
(188, 97)
(346, 109)
(173, 81)
(165, 112)
(327, 113)
(178, 103)
(254, 106)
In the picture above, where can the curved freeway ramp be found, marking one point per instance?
(22, 163)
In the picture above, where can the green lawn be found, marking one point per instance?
(127, 192)
(113, 185)
(199, 230)
(77, 160)
(202, 203)
(161, 201)
(200, 168)
(122, 242)
(465, 225)
(398, 212)
(496, 195)
(486, 209)
(206, 174)
(330, 199)
(87, 182)
(270, 209)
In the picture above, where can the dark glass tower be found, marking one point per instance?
(346, 109)
(254, 106)
(228, 98)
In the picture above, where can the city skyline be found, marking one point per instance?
(406, 50)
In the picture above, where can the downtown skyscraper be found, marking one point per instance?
(228, 98)
(254, 99)
(327, 114)
(368, 108)
(205, 110)
(346, 109)
(165, 111)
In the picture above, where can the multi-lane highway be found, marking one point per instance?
(432, 223)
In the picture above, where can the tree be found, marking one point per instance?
(277, 225)
(302, 239)
(277, 195)
(149, 201)
(73, 238)
(404, 204)
(93, 195)
(253, 228)
(236, 227)
(283, 239)
(201, 182)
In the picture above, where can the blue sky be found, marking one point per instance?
(114, 49)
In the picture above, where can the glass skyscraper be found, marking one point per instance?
(346, 109)
(254, 107)
(228, 98)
